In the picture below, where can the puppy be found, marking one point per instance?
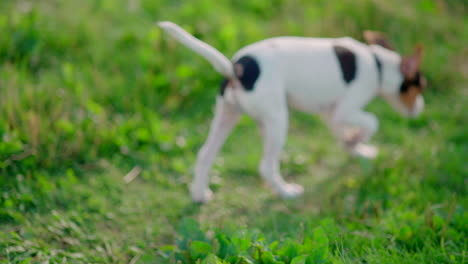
(332, 77)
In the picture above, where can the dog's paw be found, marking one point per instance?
(291, 190)
(201, 196)
(365, 151)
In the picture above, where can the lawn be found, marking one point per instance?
(92, 92)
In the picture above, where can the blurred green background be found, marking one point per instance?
(90, 90)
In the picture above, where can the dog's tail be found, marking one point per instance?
(222, 64)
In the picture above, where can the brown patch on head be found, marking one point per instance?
(377, 38)
(413, 83)
(409, 96)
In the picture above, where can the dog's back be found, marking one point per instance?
(315, 72)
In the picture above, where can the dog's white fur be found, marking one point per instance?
(303, 73)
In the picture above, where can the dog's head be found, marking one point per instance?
(406, 95)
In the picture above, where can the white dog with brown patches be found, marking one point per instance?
(334, 78)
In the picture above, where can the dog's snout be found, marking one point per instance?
(418, 106)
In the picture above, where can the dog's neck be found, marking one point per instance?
(390, 75)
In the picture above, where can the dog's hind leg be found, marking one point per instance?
(274, 130)
(226, 117)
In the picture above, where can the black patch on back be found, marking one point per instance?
(379, 67)
(407, 83)
(223, 86)
(249, 73)
(347, 61)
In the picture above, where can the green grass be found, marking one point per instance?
(90, 90)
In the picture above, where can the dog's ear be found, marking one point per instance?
(377, 38)
(410, 64)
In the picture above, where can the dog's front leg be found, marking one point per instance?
(226, 116)
(354, 128)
